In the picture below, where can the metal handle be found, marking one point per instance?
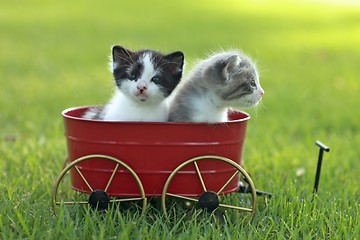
(323, 148)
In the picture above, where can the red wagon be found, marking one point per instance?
(112, 161)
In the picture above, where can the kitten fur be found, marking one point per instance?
(223, 81)
(144, 79)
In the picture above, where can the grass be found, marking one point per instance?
(54, 56)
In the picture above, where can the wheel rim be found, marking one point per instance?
(210, 200)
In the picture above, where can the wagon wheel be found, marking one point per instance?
(98, 198)
(213, 200)
(66, 162)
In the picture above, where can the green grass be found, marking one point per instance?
(54, 56)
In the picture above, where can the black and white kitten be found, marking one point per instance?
(225, 80)
(144, 79)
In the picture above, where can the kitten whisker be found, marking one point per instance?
(124, 59)
(168, 63)
(127, 52)
(158, 61)
(262, 106)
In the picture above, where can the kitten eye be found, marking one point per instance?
(131, 77)
(253, 83)
(155, 79)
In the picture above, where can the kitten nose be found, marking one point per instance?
(141, 87)
(262, 92)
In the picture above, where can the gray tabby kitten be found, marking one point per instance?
(225, 80)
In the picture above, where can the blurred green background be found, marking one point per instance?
(55, 55)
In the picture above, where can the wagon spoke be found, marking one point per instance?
(235, 207)
(111, 177)
(83, 178)
(200, 177)
(72, 202)
(230, 179)
(182, 197)
(127, 199)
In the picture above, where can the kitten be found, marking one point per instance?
(225, 80)
(144, 79)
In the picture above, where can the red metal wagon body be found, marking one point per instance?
(153, 150)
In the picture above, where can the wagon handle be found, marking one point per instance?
(323, 148)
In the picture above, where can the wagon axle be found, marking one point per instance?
(209, 201)
(247, 189)
(99, 200)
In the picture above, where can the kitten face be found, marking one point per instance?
(237, 81)
(146, 76)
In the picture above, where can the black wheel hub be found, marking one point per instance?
(99, 200)
(209, 201)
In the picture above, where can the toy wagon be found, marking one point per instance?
(111, 162)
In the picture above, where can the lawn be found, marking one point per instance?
(54, 55)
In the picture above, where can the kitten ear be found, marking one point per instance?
(121, 55)
(231, 65)
(176, 58)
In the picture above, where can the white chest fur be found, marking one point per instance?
(121, 108)
(206, 109)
